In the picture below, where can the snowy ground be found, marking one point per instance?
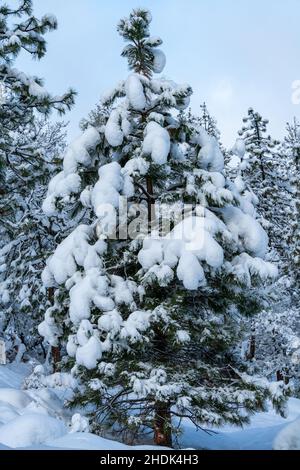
(36, 419)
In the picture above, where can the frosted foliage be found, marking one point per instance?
(117, 127)
(156, 143)
(188, 244)
(60, 186)
(246, 230)
(48, 329)
(190, 271)
(72, 251)
(244, 268)
(110, 322)
(113, 181)
(37, 90)
(239, 148)
(210, 156)
(136, 166)
(78, 151)
(136, 323)
(34, 89)
(110, 184)
(135, 92)
(89, 354)
(108, 96)
(71, 346)
(68, 181)
(177, 96)
(85, 293)
(193, 242)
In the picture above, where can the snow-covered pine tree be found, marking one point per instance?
(208, 122)
(22, 99)
(153, 323)
(21, 94)
(262, 172)
(31, 236)
(267, 175)
(277, 353)
(292, 146)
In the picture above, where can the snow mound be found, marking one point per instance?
(85, 441)
(11, 375)
(31, 429)
(88, 441)
(15, 398)
(23, 428)
(7, 413)
(289, 437)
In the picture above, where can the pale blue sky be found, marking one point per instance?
(234, 53)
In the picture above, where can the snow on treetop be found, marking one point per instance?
(136, 25)
(141, 52)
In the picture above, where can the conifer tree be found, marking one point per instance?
(21, 94)
(27, 144)
(262, 166)
(265, 174)
(208, 122)
(152, 321)
(292, 146)
(29, 234)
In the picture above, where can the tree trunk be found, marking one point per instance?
(150, 202)
(262, 169)
(252, 347)
(162, 412)
(55, 350)
(279, 376)
(162, 425)
(282, 378)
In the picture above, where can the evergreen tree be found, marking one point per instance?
(22, 94)
(138, 309)
(29, 234)
(208, 122)
(277, 354)
(292, 146)
(266, 173)
(263, 167)
(26, 148)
